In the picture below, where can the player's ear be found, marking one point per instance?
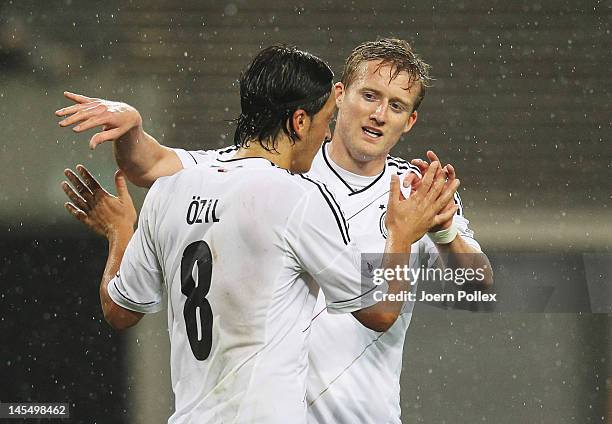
(411, 121)
(300, 121)
(339, 93)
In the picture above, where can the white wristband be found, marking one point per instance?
(444, 236)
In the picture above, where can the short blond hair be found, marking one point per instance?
(390, 52)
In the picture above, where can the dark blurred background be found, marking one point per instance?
(520, 105)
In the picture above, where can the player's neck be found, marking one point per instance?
(279, 157)
(342, 157)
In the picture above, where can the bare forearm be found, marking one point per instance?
(397, 254)
(142, 159)
(459, 254)
(382, 315)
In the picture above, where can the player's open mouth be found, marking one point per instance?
(372, 132)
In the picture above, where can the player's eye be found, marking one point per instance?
(397, 107)
(369, 96)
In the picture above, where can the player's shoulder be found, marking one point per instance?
(166, 187)
(310, 185)
(284, 182)
(320, 197)
(401, 166)
(157, 196)
(282, 187)
(190, 158)
(184, 174)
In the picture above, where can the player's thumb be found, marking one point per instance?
(121, 184)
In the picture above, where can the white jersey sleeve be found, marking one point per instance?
(191, 158)
(138, 286)
(466, 233)
(318, 237)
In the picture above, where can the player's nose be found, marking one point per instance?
(379, 114)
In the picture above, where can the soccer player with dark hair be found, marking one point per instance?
(238, 244)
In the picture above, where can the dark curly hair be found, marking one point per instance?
(279, 81)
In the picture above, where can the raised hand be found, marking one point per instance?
(115, 118)
(450, 174)
(423, 165)
(107, 215)
(428, 207)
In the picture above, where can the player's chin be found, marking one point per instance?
(367, 151)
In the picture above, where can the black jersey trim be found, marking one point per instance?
(250, 157)
(403, 164)
(356, 297)
(352, 191)
(192, 157)
(323, 148)
(371, 184)
(338, 208)
(405, 167)
(342, 225)
(459, 203)
(224, 150)
(128, 299)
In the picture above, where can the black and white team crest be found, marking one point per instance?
(382, 226)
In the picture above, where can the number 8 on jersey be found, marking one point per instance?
(197, 311)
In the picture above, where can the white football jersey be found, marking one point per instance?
(230, 244)
(354, 372)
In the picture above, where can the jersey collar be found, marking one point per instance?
(347, 185)
(249, 162)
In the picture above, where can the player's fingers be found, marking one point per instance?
(432, 156)
(449, 205)
(121, 184)
(447, 195)
(82, 114)
(78, 184)
(394, 188)
(450, 170)
(436, 188)
(76, 212)
(74, 196)
(104, 136)
(69, 110)
(410, 179)
(421, 164)
(95, 121)
(445, 171)
(439, 183)
(445, 215)
(79, 98)
(92, 184)
(428, 178)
